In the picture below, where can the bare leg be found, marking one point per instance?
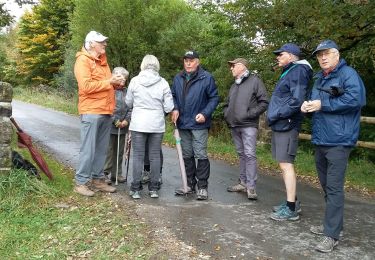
(289, 176)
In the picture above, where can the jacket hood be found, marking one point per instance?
(148, 78)
(102, 58)
(303, 62)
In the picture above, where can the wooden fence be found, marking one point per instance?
(364, 119)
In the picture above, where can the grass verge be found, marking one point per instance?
(360, 174)
(42, 219)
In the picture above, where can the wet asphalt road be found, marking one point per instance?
(228, 225)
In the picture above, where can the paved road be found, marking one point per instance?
(227, 226)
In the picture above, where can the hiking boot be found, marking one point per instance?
(284, 214)
(145, 178)
(202, 194)
(240, 187)
(326, 245)
(153, 194)
(83, 190)
(135, 194)
(180, 191)
(101, 185)
(319, 230)
(283, 204)
(252, 194)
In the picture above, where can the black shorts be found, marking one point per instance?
(284, 146)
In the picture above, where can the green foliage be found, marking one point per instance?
(43, 34)
(8, 68)
(5, 17)
(163, 28)
(306, 22)
(17, 187)
(51, 98)
(42, 219)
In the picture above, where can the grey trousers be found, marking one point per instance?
(95, 131)
(194, 146)
(112, 154)
(147, 160)
(139, 140)
(331, 163)
(245, 140)
(194, 143)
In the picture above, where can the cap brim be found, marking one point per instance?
(321, 49)
(102, 39)
(190, 57)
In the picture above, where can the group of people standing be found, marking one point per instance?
(335, 103)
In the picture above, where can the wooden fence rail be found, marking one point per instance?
(364, 119)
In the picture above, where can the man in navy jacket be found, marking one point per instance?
(336, 100)
(195, 98)
(284, 117)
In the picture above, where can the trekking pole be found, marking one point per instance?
(127, 153)
(180, 159)
(118, 149)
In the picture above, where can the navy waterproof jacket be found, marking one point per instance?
(201, 97)
(337, 123)
(284, 109)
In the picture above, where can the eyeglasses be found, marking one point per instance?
(320, 54)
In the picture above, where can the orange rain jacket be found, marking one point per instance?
(96, 94)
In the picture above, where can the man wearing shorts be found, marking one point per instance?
(284, 117)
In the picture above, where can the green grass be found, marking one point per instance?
(42, 219)
(360, 173)
(54, 99)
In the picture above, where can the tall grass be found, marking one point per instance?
(43, 219)
(50, 98)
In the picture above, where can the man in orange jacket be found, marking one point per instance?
(95, 105)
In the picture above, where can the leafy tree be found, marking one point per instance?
(306, 22)
(8, 57)
(5, 17)
(43, 34)
(163, 28)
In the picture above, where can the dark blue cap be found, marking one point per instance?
(191, 55)
(291, 48)
(325, 45)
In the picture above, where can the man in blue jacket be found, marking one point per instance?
(284, 117)
(336, 100)
(195, 98)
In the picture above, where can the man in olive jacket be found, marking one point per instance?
(246, 101)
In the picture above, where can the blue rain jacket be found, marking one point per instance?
(338, 121)
(200, 96)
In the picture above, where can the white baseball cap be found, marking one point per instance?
(94, 36)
